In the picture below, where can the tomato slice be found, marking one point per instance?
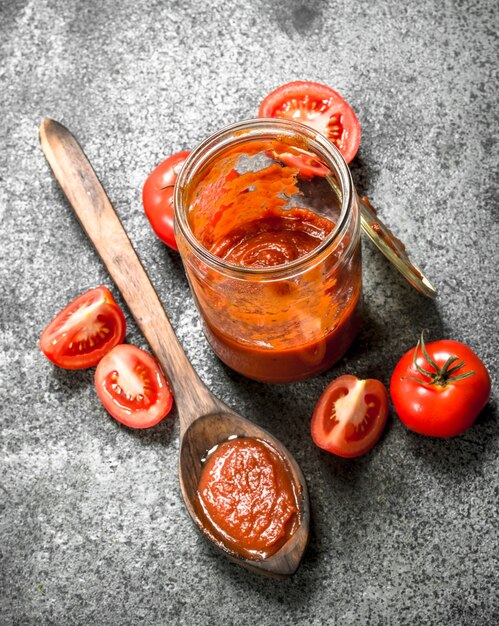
(319, 107)
(132, 387)
(350, 416)
(84, 331)
(157, 197)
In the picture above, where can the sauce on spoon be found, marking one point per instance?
(247, 498)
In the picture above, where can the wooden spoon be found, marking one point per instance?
(204, 419)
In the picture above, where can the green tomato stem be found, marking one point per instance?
(442, 376)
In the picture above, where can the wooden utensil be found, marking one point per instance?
(204, 419)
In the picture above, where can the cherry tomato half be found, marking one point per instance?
(439, 388)
(132, 387)
(157, 197)
(84, 331)
(350, 416)
(319, 107)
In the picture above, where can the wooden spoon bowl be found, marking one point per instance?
(204, 419)
(209, 430)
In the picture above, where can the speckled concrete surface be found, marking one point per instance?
(93, 530)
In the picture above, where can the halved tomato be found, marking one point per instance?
(84, 331)
(132, 387)
(319, 107)
(350, 416)
(157, 197)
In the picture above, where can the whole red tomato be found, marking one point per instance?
(438, 389)
(157, 197)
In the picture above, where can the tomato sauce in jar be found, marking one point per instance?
(247, 498)
(272, 256)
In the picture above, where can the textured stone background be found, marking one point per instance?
(93, 530)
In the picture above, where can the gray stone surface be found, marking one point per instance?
(93, 529)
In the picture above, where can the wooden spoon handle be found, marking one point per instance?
(99, 220)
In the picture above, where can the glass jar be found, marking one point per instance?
(267, 224)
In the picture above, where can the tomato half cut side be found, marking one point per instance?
(319, 107)
(132, 387)
(157, 197)
(350, 416)
(84, 331)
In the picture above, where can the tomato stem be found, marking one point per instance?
(426, 355)
(455, 368)
(448, 363)
(442, 375)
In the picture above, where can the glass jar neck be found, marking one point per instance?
(261, 130)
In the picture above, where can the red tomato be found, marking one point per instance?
(319, 107)
(350, 416)
(132, 387)
(84, 331)
(157, 197)
(438, 389)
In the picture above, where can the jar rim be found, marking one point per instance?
(258, 129)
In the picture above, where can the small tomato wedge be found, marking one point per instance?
(84, 331)
(132, 387)
(350, 416)
(438, 389)
(157, 197)
(319, 107)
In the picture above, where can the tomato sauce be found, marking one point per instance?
(270, 329)
(287, 364)
(247, 497)
(273, 239)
